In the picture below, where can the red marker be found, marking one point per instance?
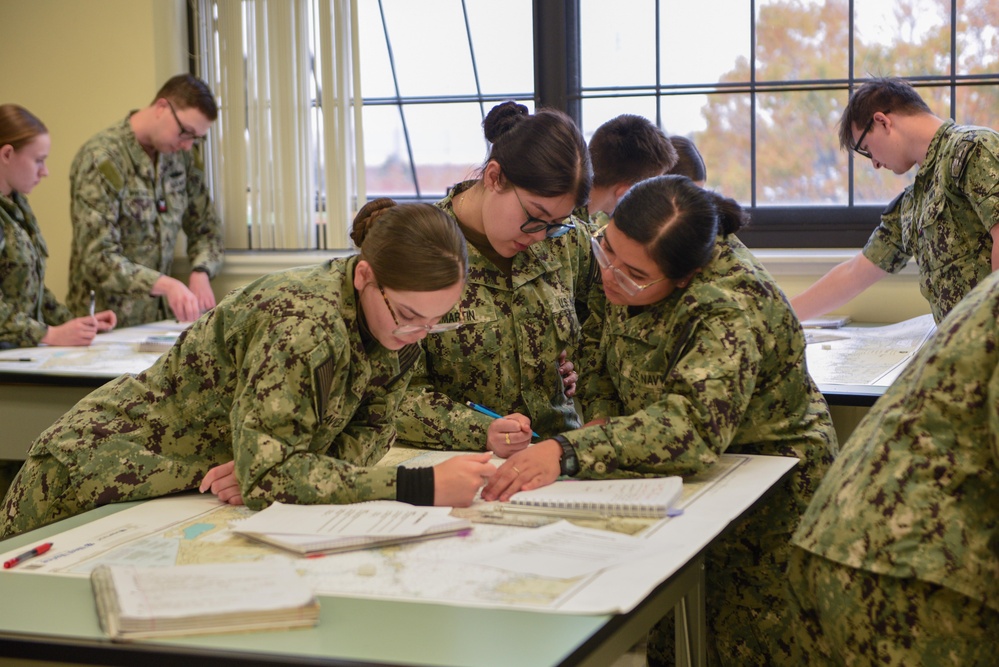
(37, 551)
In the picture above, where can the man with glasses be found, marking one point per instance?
(946, 218)
(134, 187)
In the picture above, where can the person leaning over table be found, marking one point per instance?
(293, 381)
(946, 218)
(896, 560)
(530, 268)
(625, 150)
(30, 313)
(696, 353)
(135, 186)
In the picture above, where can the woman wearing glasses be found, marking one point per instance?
(529, 267)
(292, 382)
(29, 312)
(695, 353)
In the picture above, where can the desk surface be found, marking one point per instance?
(36, 392)
(854, 365)
(47, 616)
(110, 355)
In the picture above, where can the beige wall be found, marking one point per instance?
(80, 66)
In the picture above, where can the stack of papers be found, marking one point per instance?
(312, 529)
(141, 602)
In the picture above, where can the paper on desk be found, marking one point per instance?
(387, 518)
(868, 355)
(560, 550)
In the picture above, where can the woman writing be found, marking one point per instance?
(29, 313)
(292, 381)
(696, 353)
(529, 269)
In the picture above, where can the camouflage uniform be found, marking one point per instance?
(27, 307)
(506, 355)
(906, 523)
(278, 377)
(716, 367)
(126, 214)
(943, 219)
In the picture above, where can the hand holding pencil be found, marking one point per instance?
(507, 434)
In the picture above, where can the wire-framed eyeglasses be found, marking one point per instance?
(410, 329)
(624, 281)
(186, 133)
(533, 225)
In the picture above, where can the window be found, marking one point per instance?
(758, 85)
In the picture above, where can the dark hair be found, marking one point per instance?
(18, 126)
(186, 91)
(677, 222)
(543, 153)
(628, 149)
(884, 94)
(413, 247)
(689, 162)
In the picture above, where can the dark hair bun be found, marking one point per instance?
(367, 216)
(502, 118)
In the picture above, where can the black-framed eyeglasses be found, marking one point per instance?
(533, 225)
(186, 134)
(624, 281)
(410, 329)
(867, 128)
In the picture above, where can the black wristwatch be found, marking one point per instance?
(569, 463)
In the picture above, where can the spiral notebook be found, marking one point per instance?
(650, 497)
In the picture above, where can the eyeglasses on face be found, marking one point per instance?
(624, 281)
(186, 133)
(410, 329)
(867, 128)
(533, 225)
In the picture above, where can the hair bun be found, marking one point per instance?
(367, 217)
(502, 118)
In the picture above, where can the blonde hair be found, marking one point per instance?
(18, 126)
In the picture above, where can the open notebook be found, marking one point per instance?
(645, 497)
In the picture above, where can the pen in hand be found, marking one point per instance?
(37, 551)
(93, 302)
(489, 413)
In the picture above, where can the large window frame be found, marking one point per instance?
(558, 83)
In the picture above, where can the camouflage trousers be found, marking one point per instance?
(745, 600)
(854, 617)
(40, 494)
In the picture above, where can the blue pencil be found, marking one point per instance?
(489, 413)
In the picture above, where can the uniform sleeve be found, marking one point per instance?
(53, 311)
(280, 441)
(697, 414)
(97, 185)
(979, 179)
(17, 328)
(597, 394)
(430, 419)
(885, 248)
(201, 223)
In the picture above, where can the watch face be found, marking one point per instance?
(569, 464)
